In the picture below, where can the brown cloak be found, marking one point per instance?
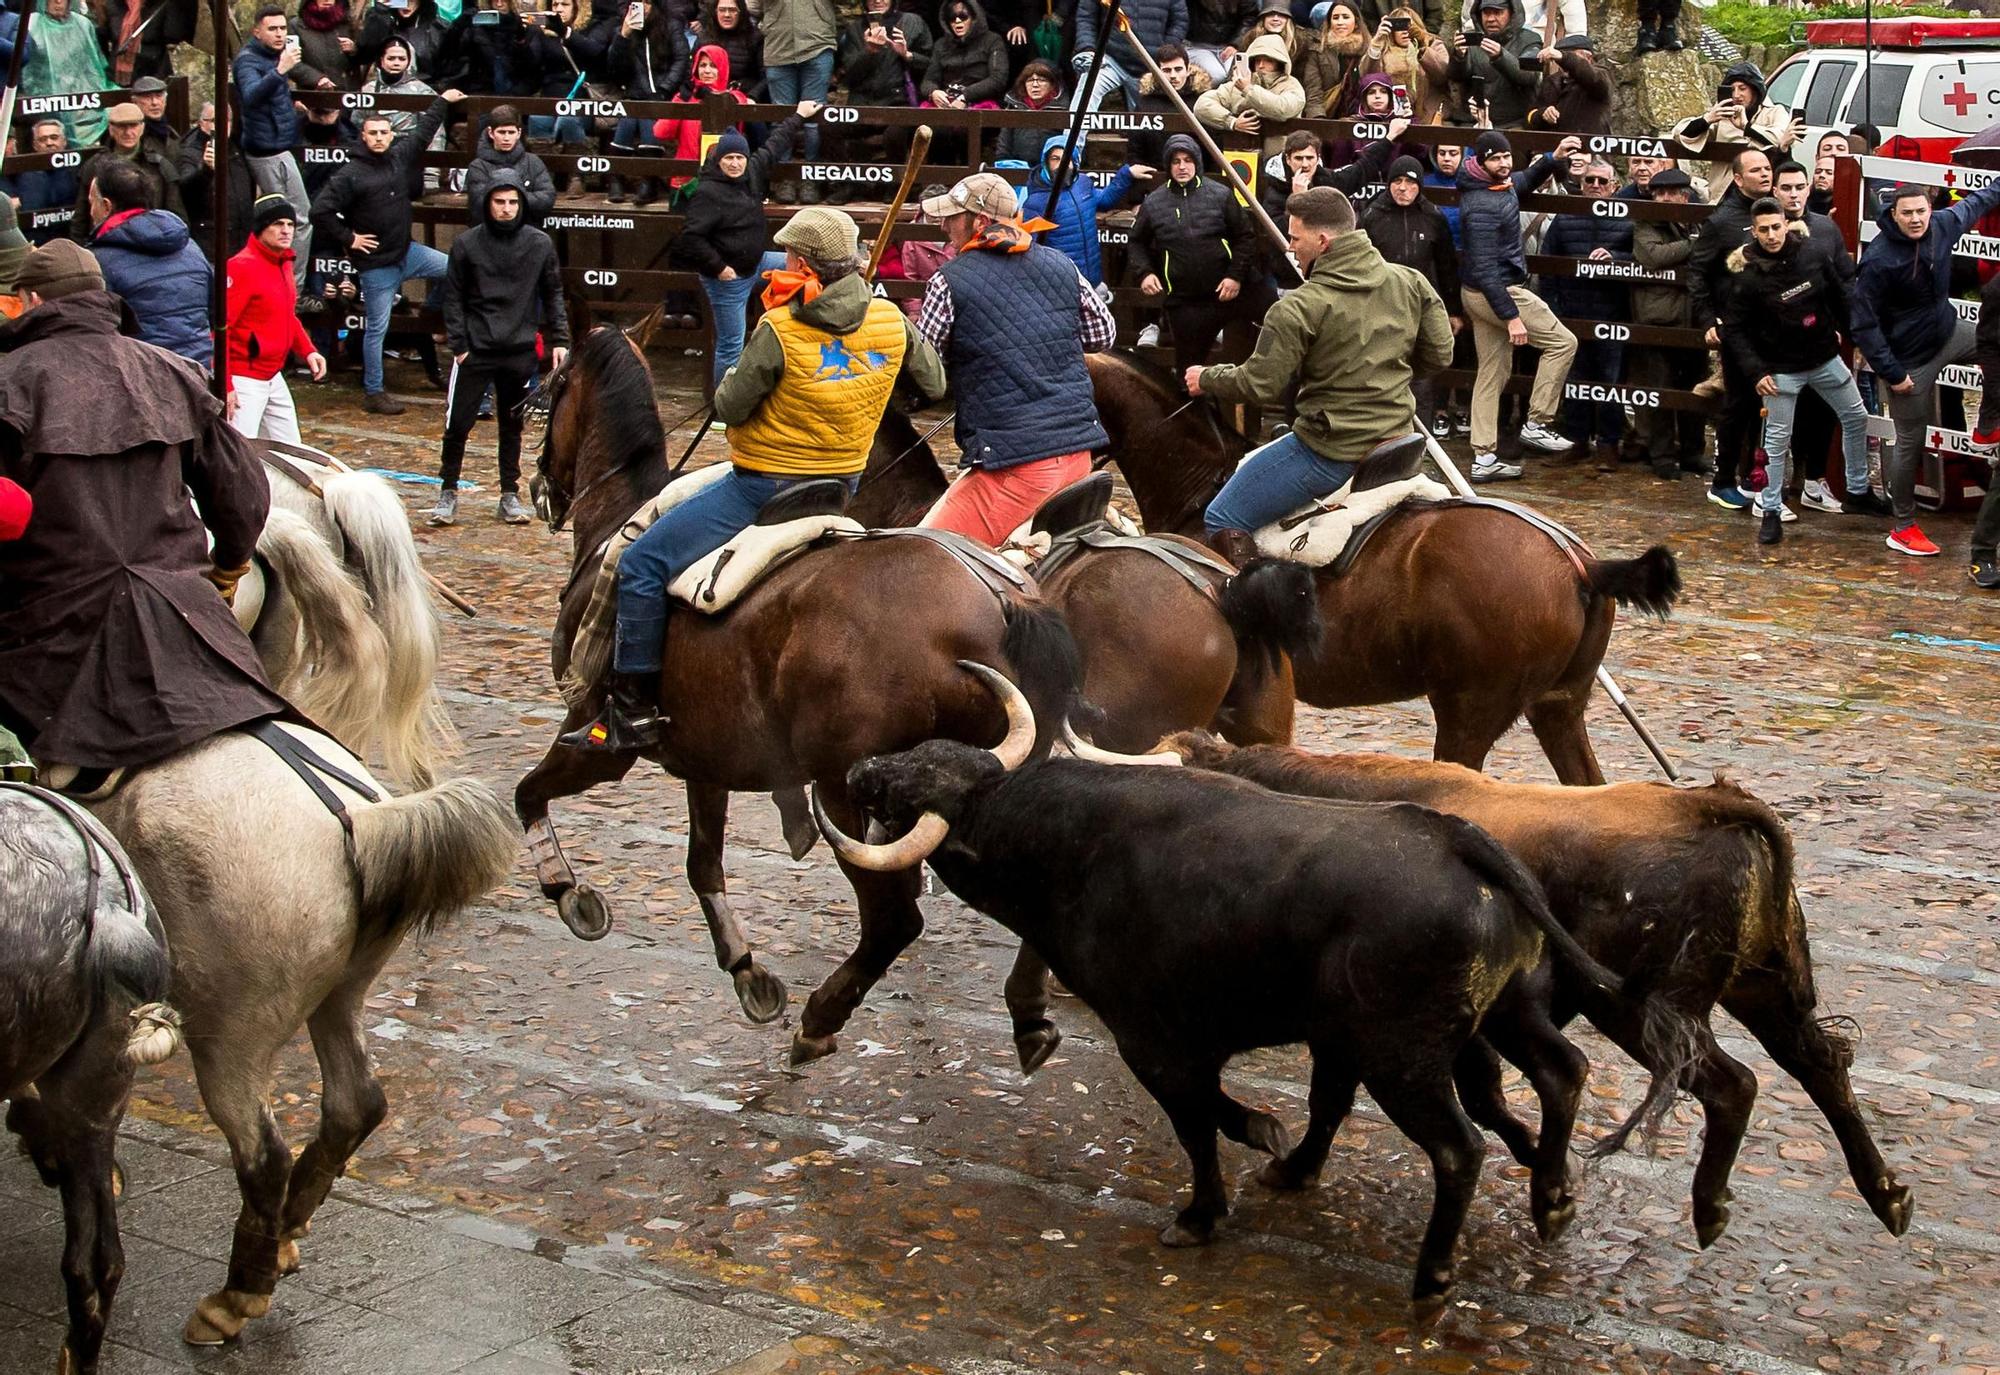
(115, 650)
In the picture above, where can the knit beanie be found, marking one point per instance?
(13, 247)
(59, 268)
(1492, 141)
(268, 210)
(1405, 166)
(732, 142)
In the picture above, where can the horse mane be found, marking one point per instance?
(1172, 394)
(628, 414)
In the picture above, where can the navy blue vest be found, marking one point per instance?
(1023, 391)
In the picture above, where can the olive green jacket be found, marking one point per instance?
(1353, 338)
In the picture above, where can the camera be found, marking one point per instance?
(955, 91)
(1399, 23)
(485, 19)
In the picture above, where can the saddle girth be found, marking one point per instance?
(1000, 577)
(314, 771)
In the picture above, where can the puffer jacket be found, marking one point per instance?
(149, 258)
(1075, 215)
(538, 188)
(270, 124)
(880, 77)
(651, 64)
(1351, 340)
(744, 44)
(1907, 282)
(1785, 311)
(1491, 257)
(1270, 95)
(1192, 234)
(725, 225)
(1577, 236)
(799, 30)
(1769, 128)
(1328, 69)
(978, 63)
(1154, 23)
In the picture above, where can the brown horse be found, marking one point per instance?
(846, 652)
(1465, 606)
(1155, 648)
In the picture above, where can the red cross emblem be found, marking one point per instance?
(1951, 178)
(1960, 99)
(1937, 439)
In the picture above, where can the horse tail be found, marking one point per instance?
(424, 858)
(340, 679)
(126, 957)
(409, 718)
(1047, 666)
(1649, 583)
(1273, 606)
(1668, 1036)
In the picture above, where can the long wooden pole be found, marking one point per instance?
(218, 192)
(920, 147)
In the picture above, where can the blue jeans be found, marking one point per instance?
(1835, 384)
(1273, 482)
(1108, 76)
(562, 128)
(634, 133)
(379, 286)
(675, 543)
(792, 82)
(728, 305)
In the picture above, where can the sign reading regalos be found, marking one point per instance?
(849, 172)
(1610, 395)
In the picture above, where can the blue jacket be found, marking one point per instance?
(1587, 298)
(1075, 219)
(1490, 257)
(150, 260)
(1014, 356)
(1450, 213)
(1907, 282)
(270, 124)
(10, 24)
(1154, 23)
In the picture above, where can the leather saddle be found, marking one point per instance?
(1075, 506)
(1393, 460)
(826, 496)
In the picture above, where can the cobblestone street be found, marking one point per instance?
(594, 1162)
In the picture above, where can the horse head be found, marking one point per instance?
(1175, 451)
(601, 422)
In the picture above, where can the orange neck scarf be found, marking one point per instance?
(1006, 236)
(785, 284)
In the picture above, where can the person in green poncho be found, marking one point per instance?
(65, 58)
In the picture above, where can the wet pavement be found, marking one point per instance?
(594, 1162)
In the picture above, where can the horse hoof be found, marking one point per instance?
(288, 1258)
(1553, 1220)
(584, 912)
(806, 1049)
(1036, 1046)
(1895, 1207)
(761, 992)
(1275, 1175)
(1180, 1234)
(1268, 1135)
(1710, 1224)
(1427, 1300)
(213, 1323)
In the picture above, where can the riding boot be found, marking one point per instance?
(631, 721)
(1235, 545)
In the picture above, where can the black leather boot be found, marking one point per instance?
(1235, 545)
(631, 721)
(614, 189)
(1648, 42)
(1670, 39)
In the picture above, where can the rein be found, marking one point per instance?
(917, 444)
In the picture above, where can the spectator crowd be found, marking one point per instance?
(1759, 273)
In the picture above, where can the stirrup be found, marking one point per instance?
(613, 732)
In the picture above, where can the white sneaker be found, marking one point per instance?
(1820, 498)
(1539, 436)
(1149, 337)
(1489, 468)
(1786, 515)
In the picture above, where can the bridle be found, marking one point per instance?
(549, 495)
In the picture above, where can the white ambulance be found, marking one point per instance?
(1931, 83)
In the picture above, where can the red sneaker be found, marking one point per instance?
(1912, 541)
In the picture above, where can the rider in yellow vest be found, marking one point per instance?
(803, 402)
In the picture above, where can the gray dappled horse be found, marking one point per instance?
(83, 967)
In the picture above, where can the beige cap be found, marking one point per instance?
(820, 232)
(127, 113)
(982, 193)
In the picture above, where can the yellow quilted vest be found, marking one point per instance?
(820, 419)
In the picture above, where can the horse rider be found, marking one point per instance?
(1012, 319)
(115, 649)
(802, 403)
(1352, 338)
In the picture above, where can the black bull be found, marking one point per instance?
(1200, 917)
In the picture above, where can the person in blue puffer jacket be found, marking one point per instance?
(1075, 216)
(149, 258)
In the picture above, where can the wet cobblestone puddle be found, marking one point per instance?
(920, 1205)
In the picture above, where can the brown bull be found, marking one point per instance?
(1684, 891)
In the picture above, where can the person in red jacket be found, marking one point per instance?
(264, 328)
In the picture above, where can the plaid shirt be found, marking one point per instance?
(1095, 330)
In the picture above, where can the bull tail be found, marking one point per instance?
(424, 858)
(1047, 666)
(1649, 583)
(1668, 1036)
(1272, 605)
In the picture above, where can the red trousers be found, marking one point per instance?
(989, 504)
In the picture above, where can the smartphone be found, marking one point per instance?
(635, 14)
(292, 42)
(1399, 23)
(1399, 102)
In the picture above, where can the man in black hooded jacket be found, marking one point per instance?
(503, 286)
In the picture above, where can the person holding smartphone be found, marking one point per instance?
(1417, 65)
(1575, 94)
(1495, 62)
(270, 127)
(649, 57)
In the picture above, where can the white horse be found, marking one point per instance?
(277, 916)
(337, 606)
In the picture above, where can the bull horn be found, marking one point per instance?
(904, 853)
(1084, 750)
(1013, 751)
